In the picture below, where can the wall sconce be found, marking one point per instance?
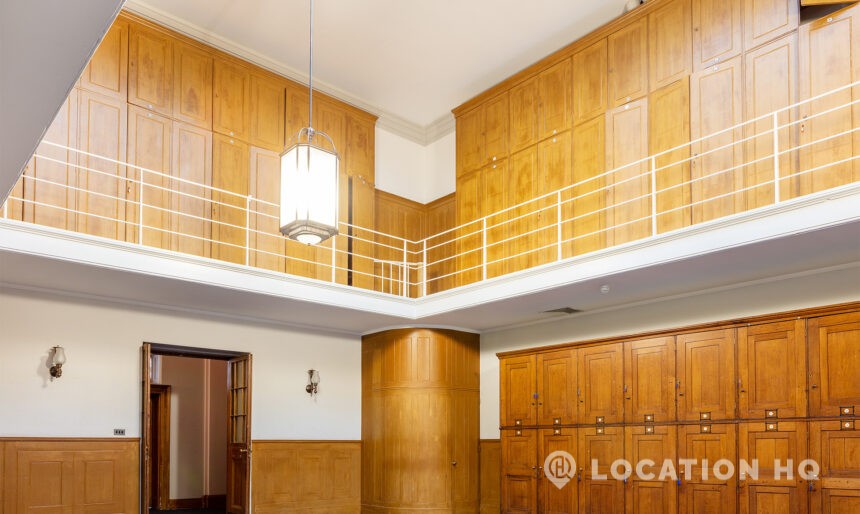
(313, 382)
(58, 358)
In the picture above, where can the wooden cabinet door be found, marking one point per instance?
(670, 43)
(102, 184)
(669, 129)
(363, 215)
(330, 119)
(556, 388)
(554, 173)
(834, 445)
(554, 96)
(706, 375)
(711, 495)
(107, 71)
(470, 140)
(766, 20)
(523, 128)
(767, 443)
(716, 105)
(496, 122)
(591, 87)
(649, 380)
(150, 69)
(604, 445)
(553, 499)
(359, 155)
(192, 77)
(191, 195)
(628, 63)
(829, 55)
(230, 165)
(469, 245)
(267, 113)
(231, 101)
(601, 375)
(494, 180)
(521, 183)
(630, 183)
(518, 382)
(519, 471)
(644, 494)
(717, 32)
(149, 142)
(772, 370)
(266, 244)
(589, 196)
(834, 364)
(771, 84)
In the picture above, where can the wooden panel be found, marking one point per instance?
(591, 88)
(441, 217)
(150, 69)
(766, 20)
(553, 499)
(364, 215)
(768, 444)
(331, 119)
(772, 370)
(649, 380)
(605, 446)
(496, 122)
(307, 476)
(519, 471)
(554, 96)
(717, 32)
(716, 105)
(232, 100)
(192, 95)
(670, 43)
(267, 112)
(771, 84)
(518, 383)
(491, 462)
(360, 141)
(650, 495)
(709, 495)
(523, 100)
(463, 452)
(401, 218)
(835, 449)
(522, 178)
(230, 165)
(600, 386)
(669, 129)
(554, 172)
(191, 203)
(556, 388)
(628, 63)
(630, 183)
(494, 178)
(706, 375)
(834, 361)
(468, 246)
(470, 141)
(149, 141)
(266, 242)
(107, 71)
(589, 164)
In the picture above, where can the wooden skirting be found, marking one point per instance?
(307, 476)
(214, 501)
(491, 478)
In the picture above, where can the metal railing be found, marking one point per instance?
(804, 148)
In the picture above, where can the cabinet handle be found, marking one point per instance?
(453, 462)
(814, 386)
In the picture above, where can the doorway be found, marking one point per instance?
(196, 426)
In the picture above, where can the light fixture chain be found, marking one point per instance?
(311, 75)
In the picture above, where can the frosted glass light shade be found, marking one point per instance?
(309, 188)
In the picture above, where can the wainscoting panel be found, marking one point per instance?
(321, 477)
(491, 463)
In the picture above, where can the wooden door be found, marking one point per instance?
(523, 101)
(670, 43)
(716, 105)
(191, 193)
(267, 112)
(717, 32)
(834, 361)
(768, 443)
(554, 100)
(230, 165)
(772, 370)
(519, 471)
(649, 380)
(669, 129)
(771, 85)
(145, 423)
(628, 63)
(711, 495)
(558, 498)
(589, 196)
(266, 244)
(766, 20)
(518, 390)
(470, 140)
(591, 87)
(107, 71)
(192, 78)
(706, 375)
(231, 110)
(469, 254)
(496, 123)
(603, 445)
(239, 435)
(102, 184)
(629, 189)
(463, 442)
(521, 184)
(828, 60)
(650, 495)
(554, 173)
(150, 69)
(556, 388)
(835, 446)
(600, 389)
(494, 179)
(149, 142)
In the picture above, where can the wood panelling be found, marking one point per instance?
(835, 446)
(107, 71)
(192, 78)
(597, 449)
(523, 128)
(669, 131)
(628, 63)
(649, 380)
(600, 384)
(401, 218)
(307, 476)
(768, 443)
(190, 203)
(590, 89)
(717, 32)
(629, 186)
(230, 167)
(150, 69)
(232, 99)
(554, 100)
(519, 471)
(264, 239)
(706, 375)
(149, 140)
(556, 388)
(490, 481)
(552, 498)
(765, 20)
(267, 99)
(589, 164)
(441, 217)
(518, 375)
(658, 445)
(670, 43)
(705, 492)
(834, 361)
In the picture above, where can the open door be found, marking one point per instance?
(239, 435)
(145, 422)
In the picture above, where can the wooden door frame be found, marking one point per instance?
(161, 496)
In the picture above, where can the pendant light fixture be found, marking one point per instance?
(309, 177)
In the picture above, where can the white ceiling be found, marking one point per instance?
(410, 59)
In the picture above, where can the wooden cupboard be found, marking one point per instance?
(192, 78)
(150, 69)
(556, 388)
(267, 248)
(551, 498)
(267, 97)
(523, 107)
(834, 445)
(190, 199)
(231, 100)
(230, 172)
(766, 20)
(706, 375)
(521, 182)
(702, 491)
(652, 446)
(629, 184)
(590, 89)
(834, 361)
(598, 448)
(670, 43)
(149, 140)
(772, 490)
(669, 133)
(493, 199)
(554, 100)
(107, 71)
(587, 228)
(717, 32)
(519, 475)
(600, 384)
(628, 63)
(649, 380)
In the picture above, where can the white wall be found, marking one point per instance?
(417, 172)
(788, 294)
(100, 387)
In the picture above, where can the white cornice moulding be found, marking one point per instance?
(423, 135)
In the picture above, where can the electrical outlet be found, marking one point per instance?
(118, 431)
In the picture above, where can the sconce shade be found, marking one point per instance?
(59, 355)
(309, 188)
